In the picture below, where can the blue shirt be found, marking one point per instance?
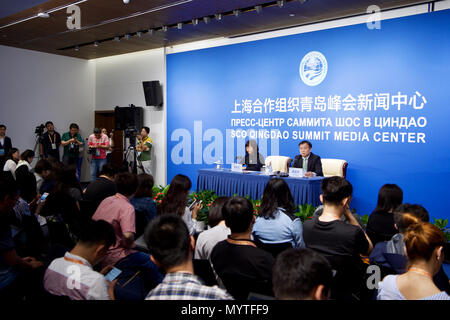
(280, 229)
(146, 205)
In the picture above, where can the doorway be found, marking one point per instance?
(106, 119)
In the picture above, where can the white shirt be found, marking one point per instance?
(208, 239)
(10, 165)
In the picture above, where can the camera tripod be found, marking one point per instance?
(131, 149)
(36, 145)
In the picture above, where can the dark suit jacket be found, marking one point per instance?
(314, 163)
(7, 144)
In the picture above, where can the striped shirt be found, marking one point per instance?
(73, 276)
(186, 286)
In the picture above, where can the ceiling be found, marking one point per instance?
(111, 27)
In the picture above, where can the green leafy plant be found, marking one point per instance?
(207, 197)
(159, 192)
(364, 220)
(442, 225)
(305, 211)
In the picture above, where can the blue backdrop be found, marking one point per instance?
(382, 105)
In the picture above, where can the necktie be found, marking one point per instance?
(304, 165)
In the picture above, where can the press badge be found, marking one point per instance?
(54, 146)
(97, 152)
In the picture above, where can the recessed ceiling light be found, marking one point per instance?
(291, 14)
(43, 15)
(96, 44)
(218, 16)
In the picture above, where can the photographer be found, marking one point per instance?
(98, 143)
(50, 142)
(73, 145)
(144, 146)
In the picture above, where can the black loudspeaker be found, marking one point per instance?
(129, 117)
(153, 93)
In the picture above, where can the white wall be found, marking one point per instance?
(119, 83)
(36, 87)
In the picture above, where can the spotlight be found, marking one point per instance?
(180, 25)
(281, 3)
(77, 48)
(237, 13)
(117, 39)
(126, 1)
(139, 34)
(151, 31)
(195, 21)
(258, 9)
(206, 19)
(164, 28)
(127, 37)
(96, 44)
(218, 16)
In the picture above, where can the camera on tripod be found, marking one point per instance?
(39, 131)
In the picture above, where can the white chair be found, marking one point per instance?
(279, 163)
(334, 167)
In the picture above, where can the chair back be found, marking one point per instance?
(334, 167)
(273, 248)
(240, 286)
(141, 222)
(279, 163)
(203, 269)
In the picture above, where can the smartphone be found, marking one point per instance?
(114, 273)
(193, 204)
(44, 196)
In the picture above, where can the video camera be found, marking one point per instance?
(39, 131)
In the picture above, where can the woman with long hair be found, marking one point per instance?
(381, 225)
(276, 222)
(12, 158)
(253, 159)
(424, 244)
(142, 200)
(176, 199)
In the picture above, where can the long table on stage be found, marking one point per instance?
(228, 183)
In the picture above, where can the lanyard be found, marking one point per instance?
(74, 260)
(241, 242)
(52, 141)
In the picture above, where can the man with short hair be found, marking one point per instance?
(144, 147)
(301, 274)
(103, 187)
(94, 242)
(118, 211)
(238, 259)
(98, 143)
(5, 145)
(171, 247)
(73, 145)
(50, 142)
(310, 162)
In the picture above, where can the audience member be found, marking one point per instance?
(171, 247)
(16, 274)
(73, 145)
(98, 143)
(92, 246)
(11, 159)
(340, 242)
(176, 199)
(253, 160)
(50, 142)
(143, 198)
(5, 145)
(42, 170)
(301, 274)
(207, 239)
(49, 181)
(380, 226)
(118, 211)
(103, 187)
(25, 177)
(241, 266)
(391, 255)
(276, 222)
(424, 246)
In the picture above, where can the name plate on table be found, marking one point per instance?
(236, 167)
(296, 172)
